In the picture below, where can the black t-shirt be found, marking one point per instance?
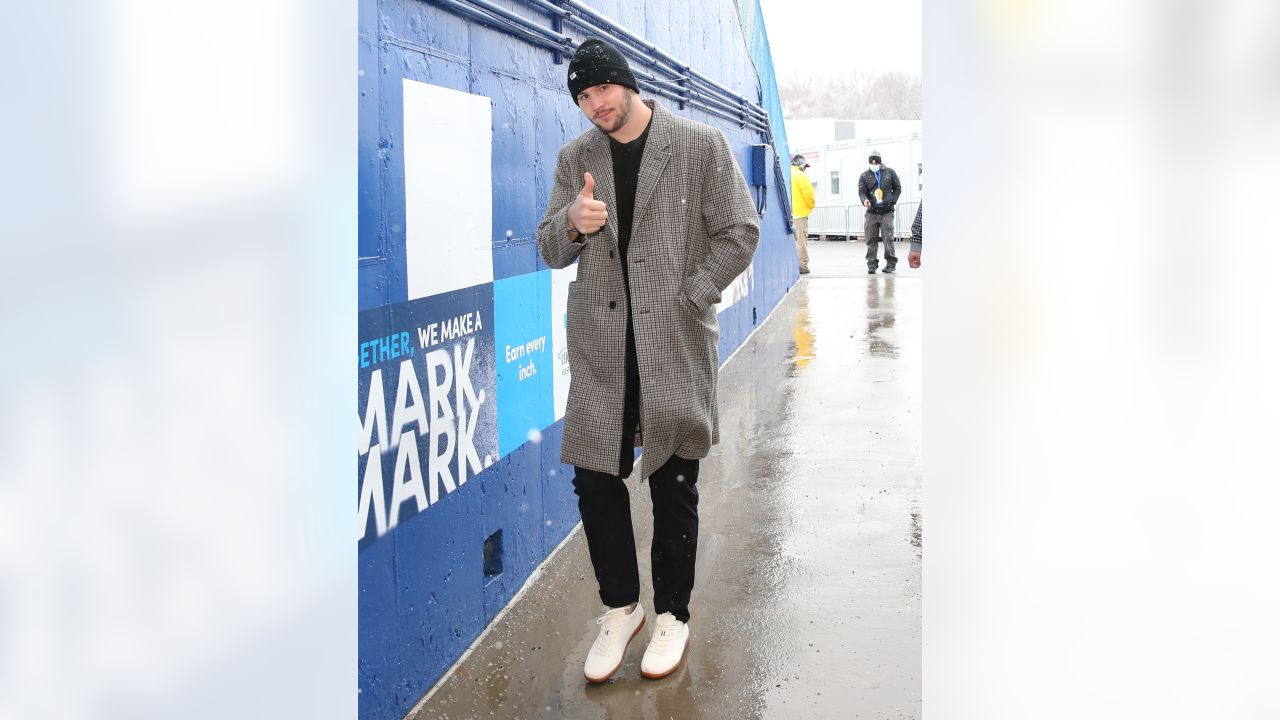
(626, 176)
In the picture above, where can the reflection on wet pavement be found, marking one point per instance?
(808, 596)
(802, 334)
(880, 315)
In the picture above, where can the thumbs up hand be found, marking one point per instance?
(587, 214)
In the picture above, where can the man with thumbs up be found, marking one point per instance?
(655, 210)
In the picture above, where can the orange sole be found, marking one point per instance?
(595, 681)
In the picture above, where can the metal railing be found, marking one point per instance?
(830, 220)
(656, 70)
(848, 221)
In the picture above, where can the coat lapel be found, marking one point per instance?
(657, 150)
(599, 162)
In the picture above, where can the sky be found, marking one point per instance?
(835, 37)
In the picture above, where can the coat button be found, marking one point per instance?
(610, 254)
(612, 304)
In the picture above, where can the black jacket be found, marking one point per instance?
(888, 182)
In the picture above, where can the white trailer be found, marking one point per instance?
(834, 170)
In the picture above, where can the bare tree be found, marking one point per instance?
(884, 96)
(894, 96)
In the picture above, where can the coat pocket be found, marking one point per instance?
(704, 318)
(689, 306)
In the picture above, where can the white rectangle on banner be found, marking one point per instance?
(448, 189)
(560, 280)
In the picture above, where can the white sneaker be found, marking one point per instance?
(617, 627)
(666, 647)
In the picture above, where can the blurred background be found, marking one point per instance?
(177, 215)
(178, 203)
(1100, 394)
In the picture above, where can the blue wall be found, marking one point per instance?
(446, 388)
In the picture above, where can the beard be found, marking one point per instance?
(620, 116)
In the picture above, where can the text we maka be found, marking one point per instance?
(430, 425)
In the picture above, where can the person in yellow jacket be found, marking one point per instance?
(801, 206)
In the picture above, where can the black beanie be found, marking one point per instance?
(597, 62)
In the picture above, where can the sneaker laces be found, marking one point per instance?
(664, 636)
(611, 624)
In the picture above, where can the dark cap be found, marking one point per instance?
(596, 62)
(875, 155)
(799, 161)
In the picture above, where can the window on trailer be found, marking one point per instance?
(835, 182)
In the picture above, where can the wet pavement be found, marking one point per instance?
(807, 603)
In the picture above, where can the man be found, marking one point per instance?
(656, 212)
(801, 206)
(879, 189)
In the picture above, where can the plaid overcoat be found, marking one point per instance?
(694, 230)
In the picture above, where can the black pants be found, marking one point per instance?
(605, 505)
